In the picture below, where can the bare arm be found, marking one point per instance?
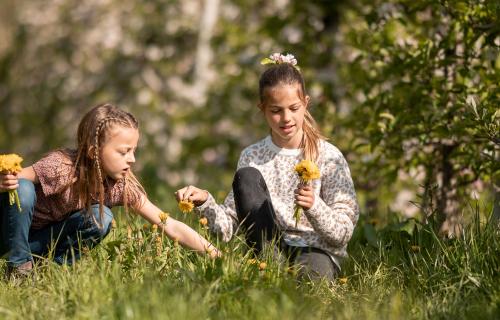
(177, 230)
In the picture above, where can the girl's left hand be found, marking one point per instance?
(304, 196)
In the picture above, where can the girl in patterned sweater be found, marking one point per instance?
(266, 188)
(67, 195)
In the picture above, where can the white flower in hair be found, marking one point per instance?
(275, 56)
(278, 58)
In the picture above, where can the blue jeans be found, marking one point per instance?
(62, 239)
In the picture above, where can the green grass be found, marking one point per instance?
(397, 272)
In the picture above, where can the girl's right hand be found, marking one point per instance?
(8, 182)
(193, 194)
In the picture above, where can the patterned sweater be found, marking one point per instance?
(327, 225)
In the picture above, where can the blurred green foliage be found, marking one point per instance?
(408, 90)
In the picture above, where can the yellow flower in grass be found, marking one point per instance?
(10, 164)
(307, 172)
(343, 280)
(163, 216)
(262, 266)
(186, 206)
(203, 221)
(154, 228)
(252, 261)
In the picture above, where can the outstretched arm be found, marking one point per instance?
(176, 230)
(221, 218)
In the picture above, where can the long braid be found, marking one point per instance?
(103, 124)
(100, 187)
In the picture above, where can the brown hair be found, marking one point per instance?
(92, 133)
(285, 73)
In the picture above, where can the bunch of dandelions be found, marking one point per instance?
(11, 164)
(307, 171)
(186, 206)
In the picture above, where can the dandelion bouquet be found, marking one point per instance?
(307, 172)
(11, 163)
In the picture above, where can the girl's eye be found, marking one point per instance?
(275, 110)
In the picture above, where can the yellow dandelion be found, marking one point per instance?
(262, 266)
(11, 163)
(307, 171)
(415, 248)
(252, 261)
(154, 227)
(145, 226)
(163, 216)
(186, 206)
(343, 280)
(203, 221)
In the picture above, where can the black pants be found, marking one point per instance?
(256, 213)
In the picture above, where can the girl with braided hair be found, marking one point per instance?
(67, 195)
(266, 190)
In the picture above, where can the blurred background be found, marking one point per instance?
(408, 90)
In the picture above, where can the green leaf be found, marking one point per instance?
(267, 61)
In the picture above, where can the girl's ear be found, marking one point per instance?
(260, 105)
(307, 98)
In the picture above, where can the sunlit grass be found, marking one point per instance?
(139, 274)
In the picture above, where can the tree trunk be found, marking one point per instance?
(203, 73)
(448, 207)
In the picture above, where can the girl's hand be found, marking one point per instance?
(193, 194)
(8, 182)
(213, 252)
(304, 196)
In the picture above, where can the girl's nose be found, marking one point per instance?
(131, 158)
(286, 116)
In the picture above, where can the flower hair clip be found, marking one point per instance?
(278, 58)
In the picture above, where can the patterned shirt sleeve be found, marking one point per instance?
(335, 213)
(53, 172)
(222, 219)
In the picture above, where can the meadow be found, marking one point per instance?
(402, 270)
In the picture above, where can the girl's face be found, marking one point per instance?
(284, 112)
(117, 153)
